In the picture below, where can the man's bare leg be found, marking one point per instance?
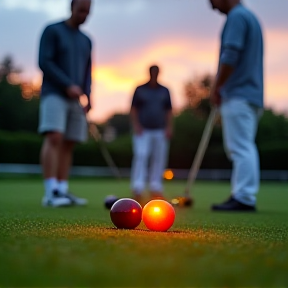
(49, 154)
(50, 161)
(65, 159)
(65, 162)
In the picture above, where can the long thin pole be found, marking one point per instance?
(201, 150)
(98, 138)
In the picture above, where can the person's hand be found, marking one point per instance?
(137, 128)
(215, 97)
(74, 92)
(169, 132)
(87, 108)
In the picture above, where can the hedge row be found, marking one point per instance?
(25, 148)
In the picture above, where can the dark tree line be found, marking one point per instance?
(19, 108)
(19, 104)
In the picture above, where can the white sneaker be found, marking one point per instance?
(56, 200)
(75, 200)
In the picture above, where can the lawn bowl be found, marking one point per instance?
(158, 215)
(109, 201)
(126, 213)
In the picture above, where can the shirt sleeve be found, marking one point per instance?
(233, 40)
(230, 56)
(88, 76)
(168, 104)
(135, 99)
(47, 54)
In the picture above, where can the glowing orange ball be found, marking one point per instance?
(158, 215)
(168, 174)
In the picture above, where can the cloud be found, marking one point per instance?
(276, 70)
(129, 35)
(179, 60)
(115, 31)
(20, 36)
(272, 14)
(36, 6)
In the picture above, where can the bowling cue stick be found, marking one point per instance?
(107, 156)
(94, 132)
(200, 151)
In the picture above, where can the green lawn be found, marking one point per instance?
(80, 247)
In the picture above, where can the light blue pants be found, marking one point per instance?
(153, 145)
(240, 123)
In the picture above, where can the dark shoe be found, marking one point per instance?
(232, 205)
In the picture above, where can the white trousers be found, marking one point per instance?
(240, 123)
(150, 145)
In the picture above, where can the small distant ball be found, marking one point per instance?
(158, 215)
(126, 213)
(109, 201)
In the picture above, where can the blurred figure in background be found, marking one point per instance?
(65, 59)
(238, 91)
(151, 117)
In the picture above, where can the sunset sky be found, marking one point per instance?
(181, 36)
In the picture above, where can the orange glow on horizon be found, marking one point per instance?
(276, 76)
(172, 57)
(111, 80)
(180, 60)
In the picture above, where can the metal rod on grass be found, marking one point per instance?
(201, 151)
(98, 138)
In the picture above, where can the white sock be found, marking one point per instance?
(63, 186)
(50, 185)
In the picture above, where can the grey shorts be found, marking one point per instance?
(58, 114)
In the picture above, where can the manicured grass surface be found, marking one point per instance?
(46, 247)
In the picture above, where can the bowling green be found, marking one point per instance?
(79, 247)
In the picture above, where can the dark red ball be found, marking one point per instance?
(126, 213)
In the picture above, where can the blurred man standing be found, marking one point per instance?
(238, 91)
(65, 59)
(151, 116)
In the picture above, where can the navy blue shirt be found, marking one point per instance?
(65, 59)
(242, 48)
(152, 105)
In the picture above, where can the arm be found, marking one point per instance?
(169, 116)
(134, 114)
(46, 60)
(47, 54)
(169, 126)
(233, 42)
(88, 82)
(224, 72)
(137, 128)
